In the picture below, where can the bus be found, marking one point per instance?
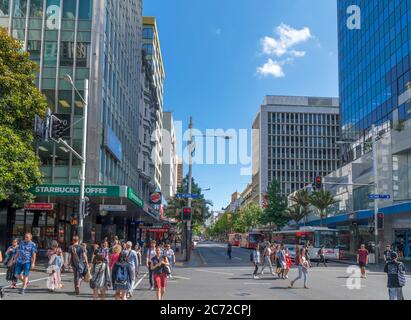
(235, 239)
(251, 239)
(317, 236)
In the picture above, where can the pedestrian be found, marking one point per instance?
(79, 263)
(289, 262)
(114, 255)
(256, 259)
(133, 261)
(303, 266)
(1, 257)
(101, 277)
(159, 263)
(56, 261)
(104, 250)
(396, 279)
(278, 261)
(121, 276)
(362, 260)
(308, 248)
(151, 252)
(169, 253)
(25, 260)
(10, 263)
(137, 248)
(123, 246)
(321, 257)
(229, 250)
(95, 252)
(283, 262)
(267, 259)
(387, 253)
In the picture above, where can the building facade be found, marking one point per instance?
(169, 170)
(294, 139)
(151, 46)
(100, 41)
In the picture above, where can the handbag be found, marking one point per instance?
(401, 278)
(87, 276)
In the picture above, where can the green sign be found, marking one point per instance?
(68, 190)
(132, 196)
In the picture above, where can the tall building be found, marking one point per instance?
(294, 139)
(179, 172)
(169, 170)
(151, 46)
(100, 41)
(235, 203)
(374, 69)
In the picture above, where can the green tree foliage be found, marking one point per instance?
(252, 215)
(19, 102)
(273, 214)
(295, 213)
(322, 200)
(301, 199)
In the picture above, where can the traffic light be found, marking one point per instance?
(318, 183)
(380, 221)
(186, 214)
(76, 208)
(56, 127)
(39, 128)
(87, 207)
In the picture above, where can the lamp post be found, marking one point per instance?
(80, 228)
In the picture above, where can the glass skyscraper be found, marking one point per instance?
(374, 67)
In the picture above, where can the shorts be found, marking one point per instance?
(362, 264)
(160, 280)
(22, 268)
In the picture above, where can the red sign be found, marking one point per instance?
(39, 206)
(157, 230)
(155, 198)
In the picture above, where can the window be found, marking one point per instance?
(20, 8)
(4, 8)
(148, 33)
(69, 9)
(36, 8)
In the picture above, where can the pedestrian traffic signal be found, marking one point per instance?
(318, 183)
(380, 221)
(57, 128)
(186, 214)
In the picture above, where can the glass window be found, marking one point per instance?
(36, 8)
(50, 53)
(20, 8)
(69, 9)
(4, 8)
(85, 10)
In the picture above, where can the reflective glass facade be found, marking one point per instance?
(374, 65)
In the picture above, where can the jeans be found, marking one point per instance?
(301, 272)
(322, 260)
(267, 261)
(130, 285)
(255, 270)
(395, 294)
(150, 275)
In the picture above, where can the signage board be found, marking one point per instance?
(70, 190)
(187, 196)
(132, 196)
(155, 198)
(379, 196)
(113, 207)
(39, 206)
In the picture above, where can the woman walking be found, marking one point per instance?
(56, 261)
(10, 263)
(116, 251)
(255, 259)
(122, 277)
(169, 253)
(288, 263)
(159, 263)
(101, 277)
(267, 259)
(303, 266)
(137, 248)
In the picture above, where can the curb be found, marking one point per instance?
(203, 261)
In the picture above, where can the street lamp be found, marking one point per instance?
(80, 228)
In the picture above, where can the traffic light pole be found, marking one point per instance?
(190, 174)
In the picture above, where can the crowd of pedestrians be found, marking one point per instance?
(103, 267)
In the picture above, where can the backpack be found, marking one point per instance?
(121, 275)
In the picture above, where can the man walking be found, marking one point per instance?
(362, 260)
(132, 260)
(396, 279)
(387, 253)
(151, 253)
(25, 260)
(255, 255)
(229, 250)
(79, 263)
(321, 256)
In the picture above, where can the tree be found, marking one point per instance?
(295, 213)
(302, 199)
(273, 214)
(322, 200)
(20, 101)
(251, 215)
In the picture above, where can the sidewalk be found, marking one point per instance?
(195, 260)
(373, 267)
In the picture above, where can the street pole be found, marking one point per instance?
(375, 164)
(190, 174)
(80, 228)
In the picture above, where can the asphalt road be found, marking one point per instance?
(211, 276)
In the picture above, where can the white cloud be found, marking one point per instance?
(282, 47)
(271, 68)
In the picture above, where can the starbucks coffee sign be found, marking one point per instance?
(74, 190)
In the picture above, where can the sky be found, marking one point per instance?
(222, 57)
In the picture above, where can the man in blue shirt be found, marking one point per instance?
(25, 260)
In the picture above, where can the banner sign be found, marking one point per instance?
(67, 190)
(39, 206)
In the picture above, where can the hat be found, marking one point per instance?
(394, 255)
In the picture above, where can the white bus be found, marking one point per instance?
(317, 236)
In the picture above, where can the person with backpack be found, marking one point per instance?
(321, 257)
(396, 279)
(255, 258)
(100, 277)
(159, 264)
(133, 261)
(79, 263)
(10, 263)
(114, 255)
(151, 252)
(121, 275)
(55, 256)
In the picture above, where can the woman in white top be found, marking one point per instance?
(169, 253)
(267, 259)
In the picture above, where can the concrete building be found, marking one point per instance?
(169, 170)
(294, 139)
(100, 41)
(179, 172)
(151, 46)
(246, 196)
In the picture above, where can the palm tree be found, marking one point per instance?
(302, 199)
(322, 200)
(296, 213)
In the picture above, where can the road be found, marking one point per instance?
(211, 276)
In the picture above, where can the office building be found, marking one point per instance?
(170, 161)
(294, 139)
(179, 172)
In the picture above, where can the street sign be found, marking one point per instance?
(39, 206)
(379, 196)
(187, 196)
(155, 198)
(113, 207)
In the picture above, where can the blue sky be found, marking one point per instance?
(212, 51)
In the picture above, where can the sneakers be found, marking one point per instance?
(291, 284)
(22, 291)
(255, 277)
(262, 273)
(152, 288)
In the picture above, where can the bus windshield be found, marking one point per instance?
(255, 237)
(326, 238)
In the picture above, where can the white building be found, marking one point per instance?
(169, 171)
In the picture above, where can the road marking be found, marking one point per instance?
(203, 260)
(216, 272)
(35, 280)
(139, 281)
(180, 277)
(252, 283)
(238, 258)
(3, 274)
